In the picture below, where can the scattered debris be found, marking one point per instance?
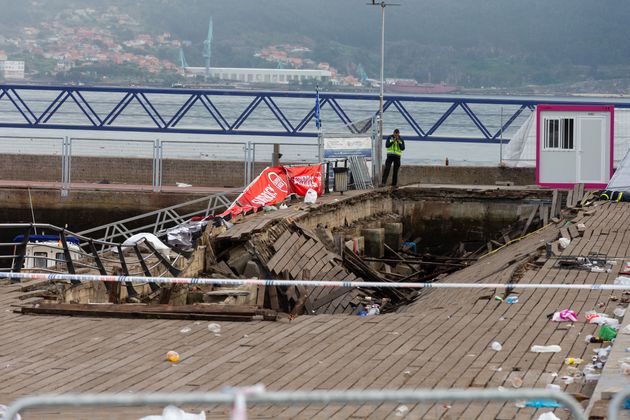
(172, 356)
(566, 315)
(214, 328)
(401, 410)
(546, 349)
(171, 412)
(516, 382)
(548, 416)
(496, 346)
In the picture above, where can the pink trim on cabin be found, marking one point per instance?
(583, 108)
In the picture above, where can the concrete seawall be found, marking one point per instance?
(230, 174)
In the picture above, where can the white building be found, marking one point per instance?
(251, 75)
(12, 70)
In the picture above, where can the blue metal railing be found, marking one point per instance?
(164, 110)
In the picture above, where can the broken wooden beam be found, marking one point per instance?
(203, 312)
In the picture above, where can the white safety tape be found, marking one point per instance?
(309, 283)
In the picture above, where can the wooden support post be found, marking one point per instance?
(554, 203)
(529, 221)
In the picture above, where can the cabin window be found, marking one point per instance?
(60, 257)
(40, 260)
(559, 134)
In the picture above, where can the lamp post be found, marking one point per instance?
(377, 161)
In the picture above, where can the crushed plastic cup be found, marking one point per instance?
(185, 330)
(214, 328)
(546, 349)
(172, 356)
(625, 368)
(619, 311)
(496, 346)
(401, 410)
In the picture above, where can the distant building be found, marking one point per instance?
(12, 70)
(251, 75)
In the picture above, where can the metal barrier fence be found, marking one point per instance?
(240, 398)
(84, 159)
(315, 283)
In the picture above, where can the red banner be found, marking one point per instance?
(303, 178)
(274, 184)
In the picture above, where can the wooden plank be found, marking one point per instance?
(554, 203)
(569, 202)
(287, 260)
(580, 195)
(573, 231)
(545, 217)
(272, 292)
(281, 240)
(529, 220)
(260, 297)
(281, 253)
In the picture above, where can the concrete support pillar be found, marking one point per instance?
(393, 235)
(374, 242)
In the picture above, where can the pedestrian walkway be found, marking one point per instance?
(442, 340)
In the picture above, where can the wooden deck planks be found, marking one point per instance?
(435, 339)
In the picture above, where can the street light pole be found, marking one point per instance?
(377, 162)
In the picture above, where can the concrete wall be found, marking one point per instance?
(465, 175)
(223, 173)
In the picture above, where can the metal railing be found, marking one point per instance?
(75, 252)
(158, 221)
(230, 112)
(240, 398)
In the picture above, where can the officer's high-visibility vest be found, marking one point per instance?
(394, 148)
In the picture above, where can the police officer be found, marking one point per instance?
(395, 146)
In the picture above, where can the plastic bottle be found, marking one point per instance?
(496, 346)
(602, 354)
(546, 349)
(511, 299)
(573, 361)
(374, 310)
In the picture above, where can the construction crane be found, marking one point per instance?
(363, 77)
(182, 59)
(207, 48)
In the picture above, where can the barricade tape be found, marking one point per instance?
(308, 283)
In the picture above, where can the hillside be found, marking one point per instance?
(471, 43)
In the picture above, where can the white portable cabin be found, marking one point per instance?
(574, 145)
